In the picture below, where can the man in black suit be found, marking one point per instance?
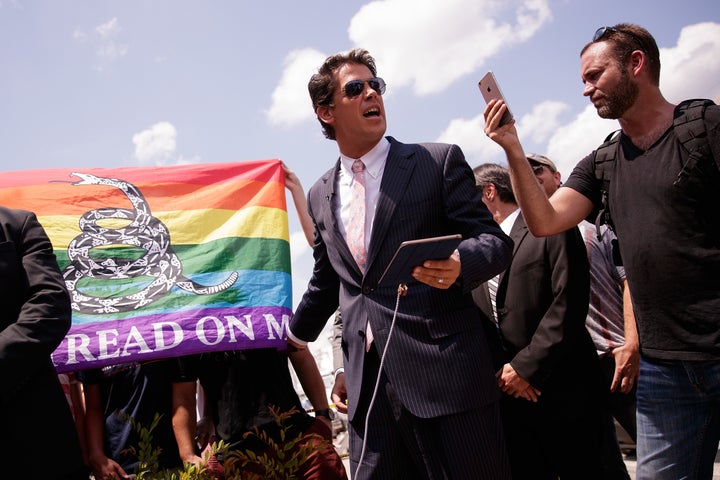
(546, 362)
(610, 314)
(435, 411)
(38, 436)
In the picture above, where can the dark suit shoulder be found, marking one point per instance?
(13, 213)
(439, 150)
(12, 221)
(434, 148)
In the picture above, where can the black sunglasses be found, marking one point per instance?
(537, 169)
(602, 31)
(353, 88)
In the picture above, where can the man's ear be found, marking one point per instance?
(637, 60)
(558, 178)
(489, 191)
(325, 113)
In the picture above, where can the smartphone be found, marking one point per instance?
(491, 90)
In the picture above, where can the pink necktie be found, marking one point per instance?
(356, 227)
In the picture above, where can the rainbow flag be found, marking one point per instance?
(164, 261)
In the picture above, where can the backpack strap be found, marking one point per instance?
(690, 124)
(604, 161)
(691, 131)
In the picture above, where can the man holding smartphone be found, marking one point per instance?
(663, 196)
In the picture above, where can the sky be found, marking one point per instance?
(116, 83)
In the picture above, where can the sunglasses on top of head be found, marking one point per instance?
(602, 31)
(353, 88)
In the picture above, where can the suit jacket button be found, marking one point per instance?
(367, 290)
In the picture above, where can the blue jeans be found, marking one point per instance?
(678, 419)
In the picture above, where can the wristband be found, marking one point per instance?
(325, 412)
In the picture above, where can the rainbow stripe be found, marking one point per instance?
(164, 261)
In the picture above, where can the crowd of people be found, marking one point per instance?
(564, 305)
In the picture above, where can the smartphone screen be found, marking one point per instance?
(491, 90)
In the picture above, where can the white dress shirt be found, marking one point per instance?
(374, 162)
(509, 221)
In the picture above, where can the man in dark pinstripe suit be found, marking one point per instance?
(435, 411)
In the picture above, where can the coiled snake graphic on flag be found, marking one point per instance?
(144, 231)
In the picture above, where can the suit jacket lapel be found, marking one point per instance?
(481, 295)
(518, 232)
(326, 214)
(396, 177)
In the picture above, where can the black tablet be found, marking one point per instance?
(412, 253)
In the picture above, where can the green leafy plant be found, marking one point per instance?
(280, 460)
(148, 465)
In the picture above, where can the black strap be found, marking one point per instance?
(691, 131)
(604, 162)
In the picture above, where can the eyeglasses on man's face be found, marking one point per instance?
(353, 88)
(602, 31)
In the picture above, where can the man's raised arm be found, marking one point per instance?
(565, 209)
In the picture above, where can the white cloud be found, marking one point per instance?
(298, 245)
(469, 134)
(111, 51)
(156, 145)
(79, 35)
(301, 263)
(691, 69)
(411, 39)
(542, 121)
(429, 44)
(538, 125)
(573, 141)
(183, 160)
(104, 40)
(109, 28)
(109, 48)
(290, 100)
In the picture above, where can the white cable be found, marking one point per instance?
(402, 291)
